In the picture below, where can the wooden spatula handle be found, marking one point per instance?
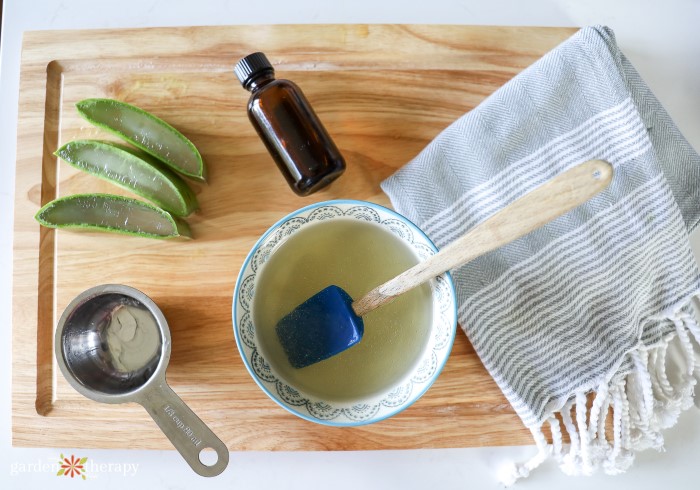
(535, 209)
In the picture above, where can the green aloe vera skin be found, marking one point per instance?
(132, 170)
(111, 213)
(147, 132)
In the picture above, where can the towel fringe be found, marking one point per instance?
(510, 473)
(642, 403)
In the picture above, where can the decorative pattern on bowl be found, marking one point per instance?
(413, 385)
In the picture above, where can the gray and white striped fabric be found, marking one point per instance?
(593, 302)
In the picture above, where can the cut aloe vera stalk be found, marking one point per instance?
(132, 170)
(107, 212)
(144, 130)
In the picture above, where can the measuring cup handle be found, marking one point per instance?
(186, 431)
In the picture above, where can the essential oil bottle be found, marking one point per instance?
(289, 127)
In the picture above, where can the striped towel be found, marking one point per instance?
(597, 305)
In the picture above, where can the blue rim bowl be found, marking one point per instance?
(361, 411)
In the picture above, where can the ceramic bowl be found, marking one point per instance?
(367, 409)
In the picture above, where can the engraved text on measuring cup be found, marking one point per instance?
(181, 425)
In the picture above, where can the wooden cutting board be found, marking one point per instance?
(383, 92)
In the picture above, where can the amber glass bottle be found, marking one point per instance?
(289, 127)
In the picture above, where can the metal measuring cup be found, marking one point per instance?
(113, 346)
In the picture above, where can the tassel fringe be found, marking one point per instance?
(640, 404)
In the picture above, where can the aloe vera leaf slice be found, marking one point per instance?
(147, 132)
(107, 212)
(132, 170)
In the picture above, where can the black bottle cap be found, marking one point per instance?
(250, 66)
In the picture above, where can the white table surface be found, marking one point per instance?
(662, 39)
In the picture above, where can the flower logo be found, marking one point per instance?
(72, 467)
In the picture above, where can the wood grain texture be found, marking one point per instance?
(383, 92)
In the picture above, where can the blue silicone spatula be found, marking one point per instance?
(330, 321)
